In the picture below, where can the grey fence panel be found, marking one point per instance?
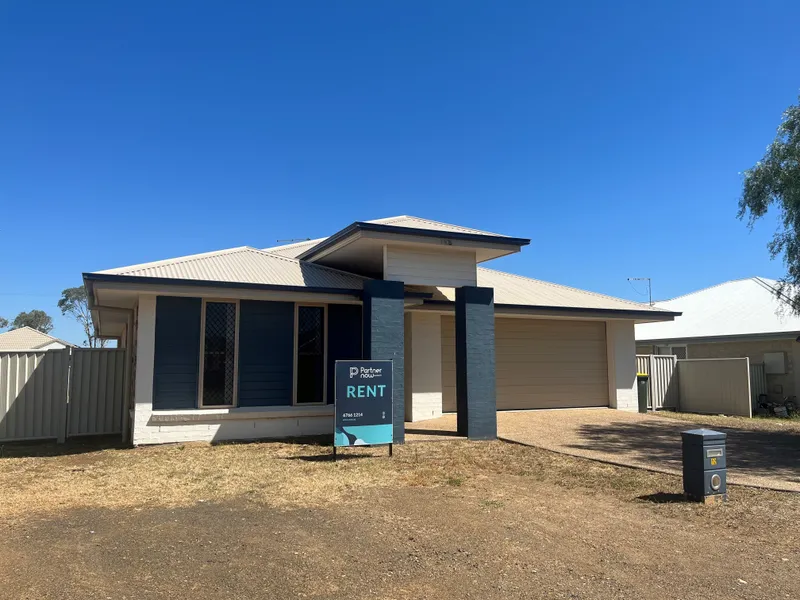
(33, 394)
(758, 383)
(97, 391)
(715, 386)
(663, 381)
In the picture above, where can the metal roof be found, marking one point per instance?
(743, 307)
(27, 338)
(297, 248)
(277, 266)
(516, 290)
(243, 265)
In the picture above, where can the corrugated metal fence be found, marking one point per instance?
(758, 383)
(715, 386)
(663, 382)
(61, 393)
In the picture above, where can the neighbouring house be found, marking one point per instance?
(241, 343)
(28, 338)
(735, 319)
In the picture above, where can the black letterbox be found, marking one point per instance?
(704, 465)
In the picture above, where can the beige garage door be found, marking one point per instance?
(540, 363)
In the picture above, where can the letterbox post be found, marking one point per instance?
(704, 465)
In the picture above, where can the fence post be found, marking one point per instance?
(62, 435)
(652, 370)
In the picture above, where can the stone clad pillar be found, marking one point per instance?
(475, 363)
(383, 331)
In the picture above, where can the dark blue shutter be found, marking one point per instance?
(266, 353)
(344, 338)
(177, 353)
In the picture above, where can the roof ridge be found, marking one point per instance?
(304, 262)
(711, 287)
(293, 244)
(569, 287)
(173, 261)
(433, 222)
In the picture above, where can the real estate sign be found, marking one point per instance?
(363, 402)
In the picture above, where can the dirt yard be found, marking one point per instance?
(439, 520)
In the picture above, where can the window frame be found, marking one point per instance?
(324, 307)
(671, 348)
(200, 405)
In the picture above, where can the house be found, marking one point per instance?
(241, 343)
(741, 318)
(27, 338)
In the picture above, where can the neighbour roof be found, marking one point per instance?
(516, 290)
(242, 265)
(297, 248)
(27, 338)
(742, 307)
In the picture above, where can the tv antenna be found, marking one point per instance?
(649, 286)
(292, 240)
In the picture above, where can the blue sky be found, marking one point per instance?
(613, 134)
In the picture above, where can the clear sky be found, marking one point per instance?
(613, 134)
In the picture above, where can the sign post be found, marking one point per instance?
(363, 404)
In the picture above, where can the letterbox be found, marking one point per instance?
(704, 465)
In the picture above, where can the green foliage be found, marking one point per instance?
(35, 319)
(74, 302)
(3, 323)
(775, 181)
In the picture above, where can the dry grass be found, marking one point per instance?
(287, 475)
(754, 424)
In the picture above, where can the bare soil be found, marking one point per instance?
(439, 520)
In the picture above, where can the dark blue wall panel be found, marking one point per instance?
(266, 353)
(384, 339)
(475, 363)
(344, 338)
(177, 353)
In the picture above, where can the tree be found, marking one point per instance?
(36, 319)
(74, 302)
(775, 181)
(3, 323)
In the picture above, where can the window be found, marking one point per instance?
(218, 354)
(310, 345)
(679, 351)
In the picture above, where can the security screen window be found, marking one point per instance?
(310, 354)
(219, 354)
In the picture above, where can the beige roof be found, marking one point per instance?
(515, 289)
(243, 265)
(297, 248)
(27, 338)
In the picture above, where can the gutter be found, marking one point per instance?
(565, 310)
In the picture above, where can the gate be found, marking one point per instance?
(758, 383)
(663, 384)
(61, 393)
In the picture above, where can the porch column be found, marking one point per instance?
(383, 330)
(475, 376)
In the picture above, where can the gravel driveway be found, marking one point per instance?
(758, 458)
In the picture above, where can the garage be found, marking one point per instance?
(540, 363)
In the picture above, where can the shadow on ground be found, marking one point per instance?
(757, 453)
(72, 446)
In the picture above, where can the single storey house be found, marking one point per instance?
(735, 319)
(241, 343)
(28, 338)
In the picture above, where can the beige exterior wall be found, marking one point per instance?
(621, 348)
(423, 366)
(414, 266)
(777, 385)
